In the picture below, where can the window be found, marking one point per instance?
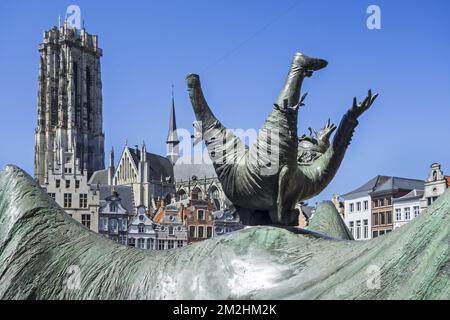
(86, 220)
(366, 205)
(191, 231)
(416, 211)
(160, 244)
(366, 228)
(171, 230)
(58, 183)
(375, 219)
(131, 242)
(83, 200)
(374, 234)
(67, 170)
(77, 184)
(398, 214)
(123, 226)
(170, 244)
(358, 206)
(201, 232)
(381, 202)
(382, 218)
(381, 232)
(358, 229)
(103, 224)
(389, 217)
(407, 213)
(67, 184)
(141, 243)
(179, 243)
(52, 195)
(67, 200)
(150, 243)
(113, 226)
(141, 228)
(201, 214)
(209, 232)
(388, 201)
(352, 227)
(123, 239)
(352, 207)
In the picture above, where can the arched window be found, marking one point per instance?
(182, 194)
(434, 175)
(141, 228)
(196, 193)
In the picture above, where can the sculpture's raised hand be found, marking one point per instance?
(358, 109)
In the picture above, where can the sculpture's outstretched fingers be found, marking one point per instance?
(358, 109)
(325, 167)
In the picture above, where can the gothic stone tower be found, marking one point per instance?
(69, 132)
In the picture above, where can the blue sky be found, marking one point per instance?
(242, 50)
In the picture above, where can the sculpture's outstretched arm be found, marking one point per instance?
(322, 170)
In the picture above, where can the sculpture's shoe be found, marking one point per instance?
(308, 63)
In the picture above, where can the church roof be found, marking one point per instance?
(99, 177)
(159, 165)
(186, 168)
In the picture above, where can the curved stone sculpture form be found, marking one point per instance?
(45, 254)
(266, 180)
(326, 220)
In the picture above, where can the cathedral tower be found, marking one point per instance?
(69, 135)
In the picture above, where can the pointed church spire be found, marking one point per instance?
(172, 136)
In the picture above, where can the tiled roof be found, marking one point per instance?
(99, 177)
(413, 194)
(366, 188)
(396, 183)
(447, 178)
(125, 194)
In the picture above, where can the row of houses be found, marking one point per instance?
(386, 203)
(173, 225)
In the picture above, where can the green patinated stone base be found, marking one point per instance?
(41, 247)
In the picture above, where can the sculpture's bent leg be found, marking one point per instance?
(275, 151)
